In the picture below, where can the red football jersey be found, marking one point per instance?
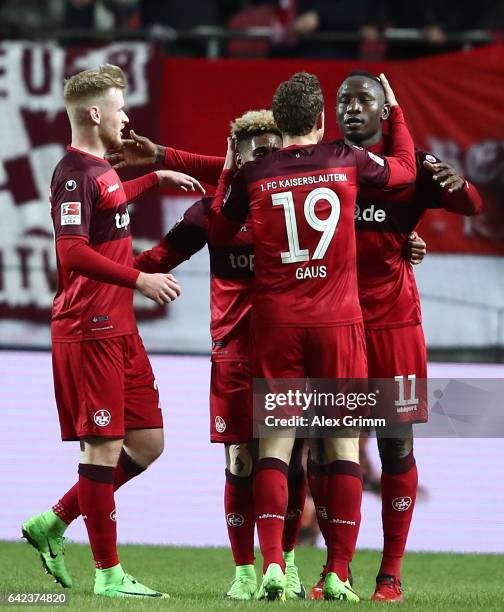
(88, 200)
(387, 288)
(301, 200)
(231, 277)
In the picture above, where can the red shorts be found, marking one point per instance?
(400, 355)
(315, 352)
(104, 387)
(230, 402)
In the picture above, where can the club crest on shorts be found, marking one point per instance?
(113, 515)
(234, 519)
(220, 424)
(102, 417)
(401, 504)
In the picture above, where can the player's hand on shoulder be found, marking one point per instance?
(161, 288)
(446, 175)
(135, 151)
(389, 92)
(169, 179)
(415, 249)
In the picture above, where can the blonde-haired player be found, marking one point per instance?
(105, 389)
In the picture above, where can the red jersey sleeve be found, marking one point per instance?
(206, 168)
(395, 170)
(73, 200)
(76, 255)
(186, 237)
(230, 207)
(136, 187)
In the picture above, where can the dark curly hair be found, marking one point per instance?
(297, 103)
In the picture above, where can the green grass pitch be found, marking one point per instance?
(197, 578)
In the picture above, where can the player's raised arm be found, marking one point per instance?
(230, 206)
(457, 195)
(185, 238)
(398, 169)
(139, 150)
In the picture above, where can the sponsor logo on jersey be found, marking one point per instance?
(122, 221)
(234, 519)
(401, 504)
(71, 213)
(102, 417)
(71, 185)
(99, 318)
(242, 261)
(113, 188)
(376, 158)
(220, 424)
(370, 213)
(113, 515)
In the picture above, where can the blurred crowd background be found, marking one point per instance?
(350, 29)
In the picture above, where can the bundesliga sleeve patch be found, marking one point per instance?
(71, 213)
(376, 158)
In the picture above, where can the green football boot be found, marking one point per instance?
(273, 584)
(45, 533)
(114, 582)
(244, 586)
(334, 588)
(294, 588)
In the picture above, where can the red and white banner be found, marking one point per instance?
(453, 104)
(35, 132)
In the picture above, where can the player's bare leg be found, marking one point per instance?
(399, 484)
(344, 502)
(271, 499)
(240, 518)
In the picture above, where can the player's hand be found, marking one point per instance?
(415, 249)
(161, 288)
(137, 151)
(230, 161)
(169, 179)
(447, 177)
(389, 93)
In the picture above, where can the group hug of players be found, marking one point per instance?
(311, 246)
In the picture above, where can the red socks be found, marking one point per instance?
(270, 498)
(318, 479)
(399, 483)
(240, 517)
(96, 501)
(295, 507)
(344, 504)
(68, 506)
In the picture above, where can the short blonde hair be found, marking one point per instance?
(91, 83)
(253, 123)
